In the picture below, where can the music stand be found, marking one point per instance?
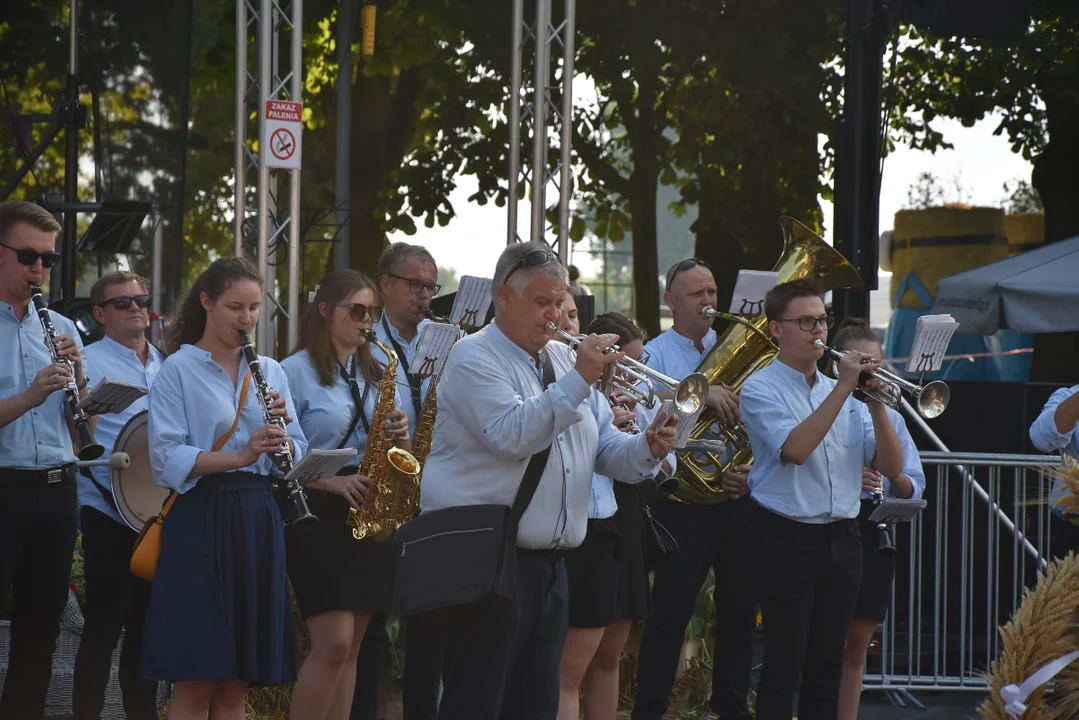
(894, 510)
(115, 226)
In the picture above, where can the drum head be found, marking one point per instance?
(137, 497)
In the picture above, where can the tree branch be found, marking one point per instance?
(603, 170)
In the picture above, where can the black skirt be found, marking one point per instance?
(330, 569)
(633, 590)
(219, 604)
(878, 571)
(592, 576)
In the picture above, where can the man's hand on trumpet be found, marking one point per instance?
(593, 359)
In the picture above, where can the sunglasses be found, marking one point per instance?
(358, 311)
(532, 259)
(29, 258)
(686, 265)
(123, 302)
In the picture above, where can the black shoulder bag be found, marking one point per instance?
(459, 555)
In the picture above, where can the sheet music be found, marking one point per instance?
(472, 302)
(434, 347)
(319, 464)
(931, 337)
(685, 427)
(111, 396)
(896, 510)
(749, 292)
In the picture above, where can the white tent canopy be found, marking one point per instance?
(1036, 292)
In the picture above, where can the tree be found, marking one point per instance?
(1031, 85)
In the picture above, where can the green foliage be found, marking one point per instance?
(927, 191)
(1021, 198)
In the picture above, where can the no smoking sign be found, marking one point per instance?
(284, 127)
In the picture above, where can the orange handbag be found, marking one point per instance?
(148, 545)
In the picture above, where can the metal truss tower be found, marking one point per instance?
(263, 20)
(544, 116)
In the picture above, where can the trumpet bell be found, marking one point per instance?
(933, 399)
(691, 394)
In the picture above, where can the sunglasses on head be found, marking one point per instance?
(358, 311)
(123, 302)
(686, 264)
(532, 259)
(29, 258)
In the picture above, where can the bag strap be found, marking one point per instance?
(217, 445)
(537, 462)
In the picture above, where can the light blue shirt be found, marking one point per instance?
(912, 462)
(1046, 437)
(493, 415)
(675, 355)
(39, 439)
(602, 502)
(325, 412)
(828, 486)
(119, 363)
(193, 403)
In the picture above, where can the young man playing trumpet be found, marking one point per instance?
(811, 440)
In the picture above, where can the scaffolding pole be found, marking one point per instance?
(542, 115)
(264, 20)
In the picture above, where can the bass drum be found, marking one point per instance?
(137, 497)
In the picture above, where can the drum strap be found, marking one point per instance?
(100, 488)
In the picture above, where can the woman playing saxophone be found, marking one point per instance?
(338, 581)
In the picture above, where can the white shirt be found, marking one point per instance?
(828, 486)
(493, 415)
(119, 363)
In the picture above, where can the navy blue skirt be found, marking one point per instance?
(219, 605)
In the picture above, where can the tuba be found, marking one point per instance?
(742, 350)
(396, 472)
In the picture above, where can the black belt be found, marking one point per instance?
(52, 475)
(804, 529)
(553, 555)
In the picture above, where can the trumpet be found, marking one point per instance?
(929, 400)
(689, 395)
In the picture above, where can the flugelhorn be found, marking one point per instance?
(929, 400)
(689, 394)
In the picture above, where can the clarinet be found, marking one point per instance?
(885, 546)
(665, 484)
(298, 516)
(89, 449)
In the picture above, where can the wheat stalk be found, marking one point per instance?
(1044, 628)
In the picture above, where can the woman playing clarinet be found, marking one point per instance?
(219, 618)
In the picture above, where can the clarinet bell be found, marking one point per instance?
(89, 449)
(665, 484)
(301, 517)
(885, 546)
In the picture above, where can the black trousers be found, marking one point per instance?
(1065, 536)
(709, 536)
(501, 658)
(115, 600)
(37, 540)
(807, 578)
(422, 671)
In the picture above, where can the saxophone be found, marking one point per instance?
(396, 472)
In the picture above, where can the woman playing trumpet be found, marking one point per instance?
(878, 569)
(339, 581)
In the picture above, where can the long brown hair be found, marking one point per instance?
(618, 324)
(190, 323)
(314, 335)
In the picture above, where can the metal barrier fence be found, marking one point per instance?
(961, 570)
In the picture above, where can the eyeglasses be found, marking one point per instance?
(808, 324)
(416, 285)
(29, 258)
(358, 311)
(532, 259)
(123, 302)
(686, 265)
